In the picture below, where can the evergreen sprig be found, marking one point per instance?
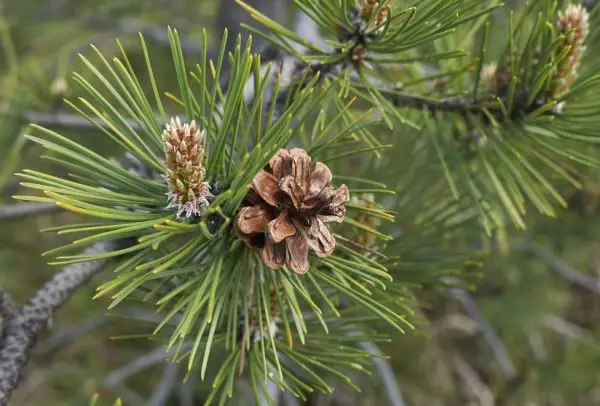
(210, 287)
(365, 37)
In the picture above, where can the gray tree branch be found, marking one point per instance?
(139, 364)
(70, 334)
(65, 120)
(387, 374)
(168, 382)
(185, 392)
(23, 325)
(500, 353)
(16, 211)
(273, 393)
(556, 264)
(8, 308)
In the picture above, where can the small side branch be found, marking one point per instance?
(22, 326)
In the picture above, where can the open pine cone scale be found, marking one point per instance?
(288, 208)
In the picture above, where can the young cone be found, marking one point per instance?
(573, 23)
(184, 147)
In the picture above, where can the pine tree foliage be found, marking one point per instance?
(220, 290)
(486, 129)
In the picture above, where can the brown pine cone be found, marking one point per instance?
(287, 210)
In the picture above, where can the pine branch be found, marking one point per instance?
(386, 372)
(500, 353)
(299, 68)
(69, 334)
(10, 188)
(115, 380)
(355, 56)
(556, 264)
(23, 325)
(60, 120)
(185, 393)
(66, 120)
(273, 393)
(8, 308)
(568, 329)
(17, 211)
(227, 161)
(168, 382)
(454, 104)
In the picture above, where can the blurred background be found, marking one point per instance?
(528, 335)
